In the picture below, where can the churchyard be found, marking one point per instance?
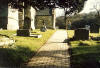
(20, 39)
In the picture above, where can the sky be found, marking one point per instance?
(59, 12)
(89, 6)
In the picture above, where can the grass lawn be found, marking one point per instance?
(85, 54)
(25, 47)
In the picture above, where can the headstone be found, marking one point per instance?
(43, 28)
(23, 32)
(94, 28)
(87, 27)
(81, 34)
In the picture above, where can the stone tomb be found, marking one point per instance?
(81, 34)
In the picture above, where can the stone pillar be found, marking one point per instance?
(33, 13)
(54, 18)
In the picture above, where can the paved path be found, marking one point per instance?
(54, 54)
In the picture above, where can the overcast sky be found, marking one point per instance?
(59, 12)
(89, 6)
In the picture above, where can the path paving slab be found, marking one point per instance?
(54, 54)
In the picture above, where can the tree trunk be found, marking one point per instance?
(21, 16)
(65, 20)
(27, 16)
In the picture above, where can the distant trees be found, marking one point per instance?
(60, 23)
(79, 21)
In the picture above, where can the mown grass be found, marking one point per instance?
(24, 47)
(85, 54)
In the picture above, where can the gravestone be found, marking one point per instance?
(87, 27)
(94, 28)
(81, 34)
(23, 32)
(43, 28)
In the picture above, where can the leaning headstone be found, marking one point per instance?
(81, 34)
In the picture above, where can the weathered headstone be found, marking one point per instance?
(87, 27)
(43, 28)
(23, 32)
(81, 34)
(94, 28)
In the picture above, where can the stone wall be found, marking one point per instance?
(12, 19)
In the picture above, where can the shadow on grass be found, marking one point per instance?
(83, 44)
(95, 38)
(14, 57)
(85, 57)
